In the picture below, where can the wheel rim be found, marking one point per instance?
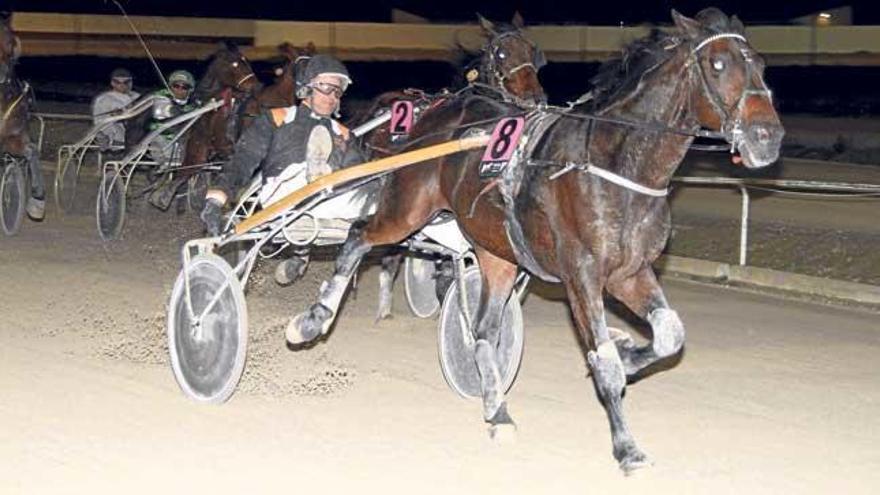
(456, 346)
(65, 185)
(12, 199)
(110, 207)
(420, 286)
(208, 359)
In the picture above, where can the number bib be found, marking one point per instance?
(502, 144)
(401, 117)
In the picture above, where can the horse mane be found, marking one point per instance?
(619, 77)
(210, 83)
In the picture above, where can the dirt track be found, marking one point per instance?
(772, 396)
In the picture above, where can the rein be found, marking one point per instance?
(15, 102)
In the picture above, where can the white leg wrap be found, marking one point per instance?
(490, 377)
(332, 292)
(607, 367)
(668, 331)
(385, 281)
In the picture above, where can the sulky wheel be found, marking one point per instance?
(12, 198)
(66, 177)
(110, 206)
(420, 286)
(456, 343)
(208, 343)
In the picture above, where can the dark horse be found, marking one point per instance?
(15, 102)
(229, 77)
(281, 93)
(584, 205)
(505, 68)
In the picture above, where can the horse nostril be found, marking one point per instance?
(761, 134)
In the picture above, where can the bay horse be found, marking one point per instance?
(282, 92)
(229, 77)
(506, 67)
(15, 101)
(583, 205)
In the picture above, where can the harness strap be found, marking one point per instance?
(510, 183)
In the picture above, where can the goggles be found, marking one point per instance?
(121, 80)
(327, 89)
(184, 86)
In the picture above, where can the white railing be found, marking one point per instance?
(778, 186)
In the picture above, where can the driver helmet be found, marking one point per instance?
(321, 65)
(184, 78)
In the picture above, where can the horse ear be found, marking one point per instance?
(287, 49)
(737, 25)
(228, 45)
(16, 47)
(487, 25)
(310, 49)
(686, 25)
(518, 21)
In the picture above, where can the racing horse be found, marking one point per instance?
(583, 204)
(506, 67)
(229, 77)
(282, 93)
(15, 102)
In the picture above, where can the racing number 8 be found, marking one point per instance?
(504, 139)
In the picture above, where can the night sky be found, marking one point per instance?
(534, 11)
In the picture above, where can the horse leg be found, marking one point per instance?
(607, 371)
(643, 295)
(390, 267)
(388, 226)
(498, 276)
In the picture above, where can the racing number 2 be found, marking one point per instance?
(401, 117)
(504, 140)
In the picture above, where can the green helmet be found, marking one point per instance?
(182, 76)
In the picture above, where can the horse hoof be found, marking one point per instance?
(304, 327)
(503, 433)
(635, 462)
(289, 271)
(294, 332)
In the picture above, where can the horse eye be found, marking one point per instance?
(718, 65)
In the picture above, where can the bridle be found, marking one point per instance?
(495, 67)
(250, 74)
(731, 117)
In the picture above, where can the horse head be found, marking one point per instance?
(511, 61)
(10, 48)
(228, 68)
(730, 94)
(297, 58)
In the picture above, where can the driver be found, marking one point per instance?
(291, 146)
(171, 102)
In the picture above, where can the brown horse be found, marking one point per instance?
(15, 102)
(506, 68)
(281, 93)
(583, 204)
(229, 77)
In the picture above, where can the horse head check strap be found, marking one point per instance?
(731, 118)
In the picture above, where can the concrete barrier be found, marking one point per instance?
(863, 294)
